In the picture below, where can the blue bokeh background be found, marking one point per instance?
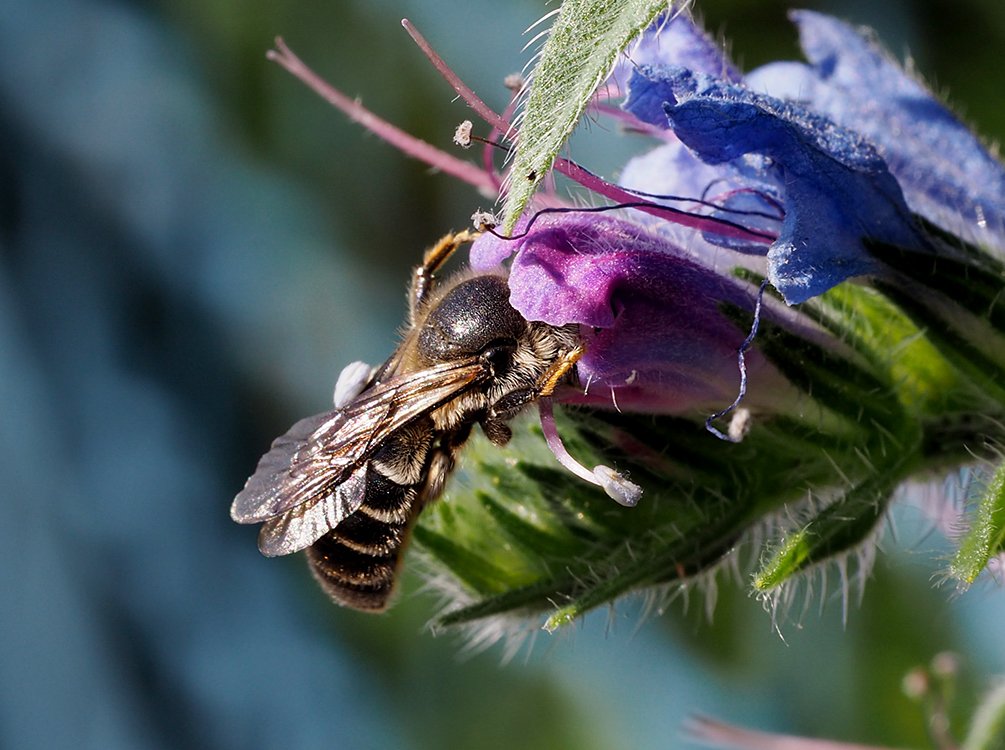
(191, 247)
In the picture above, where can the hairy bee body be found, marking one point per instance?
(348, 485)
(357, 561)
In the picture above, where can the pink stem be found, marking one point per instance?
(462, 89)
(409, 144)
(714, 733)
(468, 172)
(619, 195)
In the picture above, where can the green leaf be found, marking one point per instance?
(986, 537)
(582, 46)
(837, 529)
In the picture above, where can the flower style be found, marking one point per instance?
(804, 175)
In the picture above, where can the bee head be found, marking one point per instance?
(474, 318)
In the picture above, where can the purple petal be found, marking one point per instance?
(655, 337)
(488, 251)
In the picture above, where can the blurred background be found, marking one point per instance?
(192, 245)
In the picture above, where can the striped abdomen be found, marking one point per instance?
(357, 561)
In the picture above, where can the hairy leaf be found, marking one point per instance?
(582, 46)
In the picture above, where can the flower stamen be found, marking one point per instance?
(399, 139)
(612, 482)
(735, 434)
(463, 90)
(485, 179)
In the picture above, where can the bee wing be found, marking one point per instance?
(301, 526)
(261, 492)
(301, 474)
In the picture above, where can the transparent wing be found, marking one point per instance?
(300, 527)
(305, 467)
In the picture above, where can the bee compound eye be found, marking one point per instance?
(498, 356)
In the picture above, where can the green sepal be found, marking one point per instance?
(962, 339)
(972, 279)
(986, 536)
(840, 527)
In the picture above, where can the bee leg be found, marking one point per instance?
(497, 431)
(494, 421)
(440, 466)
(424, 276)
(554, 375)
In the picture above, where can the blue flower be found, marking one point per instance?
(834, 187)
(827, 159)
(849, 147)
(807, 175)
(795, 171)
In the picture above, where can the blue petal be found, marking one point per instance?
(837, 190)
(946, 174)
(679, 41)
(649, 88)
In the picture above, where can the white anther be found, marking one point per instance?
(739, 425)
(462, 136)
(617, 487)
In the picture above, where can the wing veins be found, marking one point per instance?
(307, 464)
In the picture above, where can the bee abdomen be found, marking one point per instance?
(357, 562)
(387, 501)
(351, 578)
(352, 567)
(369, 536)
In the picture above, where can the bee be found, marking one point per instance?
(348, 485)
